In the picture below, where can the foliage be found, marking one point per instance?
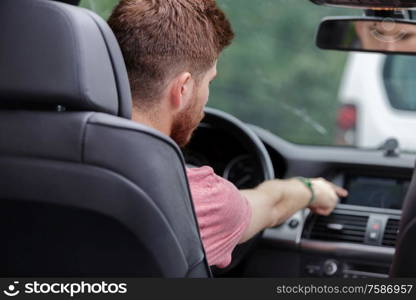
(102, 7)
(274, 76)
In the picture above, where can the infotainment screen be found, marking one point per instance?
(376, 192)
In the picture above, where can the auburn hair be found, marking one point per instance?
(162, 38)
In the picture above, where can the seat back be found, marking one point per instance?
(404, 264)
(83, 190)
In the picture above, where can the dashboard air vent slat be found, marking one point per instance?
(338, 227)
(391, 232)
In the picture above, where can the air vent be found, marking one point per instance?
(338, 227)
(391, 232)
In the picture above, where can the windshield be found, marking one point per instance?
(273, 76)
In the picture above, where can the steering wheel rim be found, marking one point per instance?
(219, 120)
(222, 119)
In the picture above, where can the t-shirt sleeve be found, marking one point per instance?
(223, 214)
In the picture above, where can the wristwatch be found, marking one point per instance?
(308, 183)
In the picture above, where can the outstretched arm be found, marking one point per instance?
(275, 201)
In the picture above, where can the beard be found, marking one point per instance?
(185, 124)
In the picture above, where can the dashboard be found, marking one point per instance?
(356, 241)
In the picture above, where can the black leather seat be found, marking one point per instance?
(404, 263)
(83, 190)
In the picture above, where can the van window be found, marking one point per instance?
(400, 79)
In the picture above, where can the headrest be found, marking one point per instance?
(54, 54)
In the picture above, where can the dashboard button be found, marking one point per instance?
(294, 223)
(330, 267)
(374, 230)
(374, 236)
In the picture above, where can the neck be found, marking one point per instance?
(157, 120)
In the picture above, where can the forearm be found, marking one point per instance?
(273, 202)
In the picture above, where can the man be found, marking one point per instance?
(171, 48)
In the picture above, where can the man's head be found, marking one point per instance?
(171, 48)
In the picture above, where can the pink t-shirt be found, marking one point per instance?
(223, 214)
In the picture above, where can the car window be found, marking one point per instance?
(274, 76)
(101, 7)
(399, 79)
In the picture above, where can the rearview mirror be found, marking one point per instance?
(368, 3)
(383, 35)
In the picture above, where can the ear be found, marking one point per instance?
(181, 91)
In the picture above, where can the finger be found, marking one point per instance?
(341, 192)
(323, 211)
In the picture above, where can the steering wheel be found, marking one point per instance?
(221, 121)
(246, 136)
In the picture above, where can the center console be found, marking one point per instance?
(357, 240)
(313, 266)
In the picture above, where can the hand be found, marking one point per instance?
(327, 196)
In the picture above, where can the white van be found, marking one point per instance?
(378, 101)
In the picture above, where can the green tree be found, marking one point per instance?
(101, 7)
(274, 76)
